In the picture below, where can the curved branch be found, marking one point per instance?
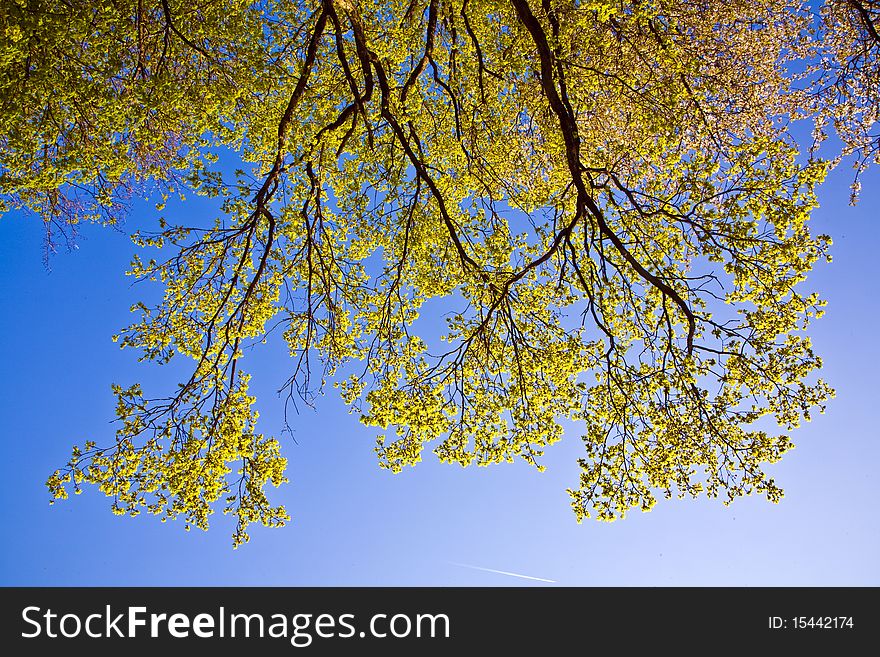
(568, 125)
(167, 11)
(866, 19)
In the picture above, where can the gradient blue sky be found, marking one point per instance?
(354, 524)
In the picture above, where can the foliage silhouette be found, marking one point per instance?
(606, 196)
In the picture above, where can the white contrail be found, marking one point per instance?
(502, 572)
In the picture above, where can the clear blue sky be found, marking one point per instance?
(354, 524)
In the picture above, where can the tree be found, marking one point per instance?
(607, 197)
(851, 75)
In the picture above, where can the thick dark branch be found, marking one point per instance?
(261, 211)
(481, 66)
(360, 100)
(568, 125)
(418, 163)
(168, 20)
(284, 125)
(429, 48)
(866, 19)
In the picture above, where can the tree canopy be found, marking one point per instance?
(608, 199)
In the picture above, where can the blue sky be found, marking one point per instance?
(354, 524)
